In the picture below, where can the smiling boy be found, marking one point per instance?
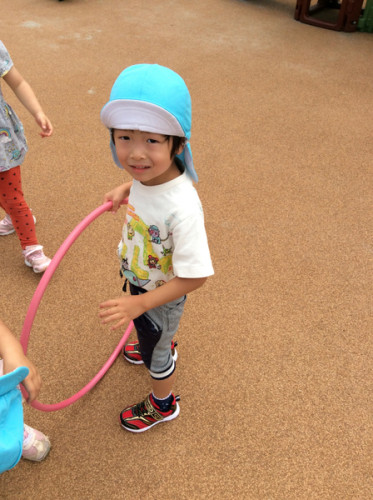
(164, 252)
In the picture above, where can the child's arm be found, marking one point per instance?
(117, 195)
(27, 97)
(13, 357)
(126, 308)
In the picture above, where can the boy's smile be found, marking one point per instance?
(146, 156)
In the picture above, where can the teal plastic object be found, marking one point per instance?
(11, 418)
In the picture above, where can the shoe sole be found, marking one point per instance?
(141, 362)
(166, 419)
(38, 271)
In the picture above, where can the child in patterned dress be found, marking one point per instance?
(13, 148)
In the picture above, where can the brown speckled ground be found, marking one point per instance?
(275, 366)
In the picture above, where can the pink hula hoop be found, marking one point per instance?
(33, 307)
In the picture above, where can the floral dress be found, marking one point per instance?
(13, 145)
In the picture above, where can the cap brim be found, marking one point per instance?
(140, 115)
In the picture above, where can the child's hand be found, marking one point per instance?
(121, 310)
(44, 123)
(118, 196)
(32, 382)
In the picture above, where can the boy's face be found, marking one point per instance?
(146, 156)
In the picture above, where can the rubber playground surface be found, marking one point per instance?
(275, 351)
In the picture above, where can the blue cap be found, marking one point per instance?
(151, 98)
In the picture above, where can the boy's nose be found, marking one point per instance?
(137, 152)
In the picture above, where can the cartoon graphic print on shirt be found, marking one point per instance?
(155, 235)
(153, 262)
(130, 232)
(143, 254)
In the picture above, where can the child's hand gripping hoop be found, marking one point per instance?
(39, 292)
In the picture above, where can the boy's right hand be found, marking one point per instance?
(118, 195)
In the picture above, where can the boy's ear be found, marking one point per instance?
(181, 147)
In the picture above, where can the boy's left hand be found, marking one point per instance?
(121, 310)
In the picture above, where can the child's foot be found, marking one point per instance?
(35, 258)
(131, 352)
(144, 415)
(6, 226)
(36, 445)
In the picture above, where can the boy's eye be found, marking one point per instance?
(124, 138)
(152, 141)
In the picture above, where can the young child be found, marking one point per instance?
(17, 438)
(164, 252)
(13, 148)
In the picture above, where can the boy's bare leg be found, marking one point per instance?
(162, 388)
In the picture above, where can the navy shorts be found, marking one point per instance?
(156, 329)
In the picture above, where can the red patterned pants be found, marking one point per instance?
(14, 204)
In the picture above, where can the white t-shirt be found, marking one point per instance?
(164, 234)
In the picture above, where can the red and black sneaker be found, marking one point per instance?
(144, 415)
(131, 352)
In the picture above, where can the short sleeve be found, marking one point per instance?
(6, 62)
(191, 256)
